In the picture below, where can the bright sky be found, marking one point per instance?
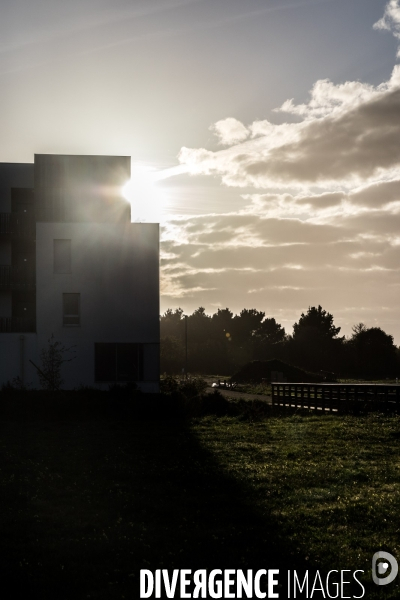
(265, 134)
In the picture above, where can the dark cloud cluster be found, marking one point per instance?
(359, 144)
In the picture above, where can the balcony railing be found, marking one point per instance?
(5, 223)
(12, 278)
(17, 225)
(17, 325)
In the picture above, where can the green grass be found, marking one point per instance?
(86, 504)
(331, 483)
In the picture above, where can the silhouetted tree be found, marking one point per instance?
(200, 347)
(199, 326)
(314, 344)
(318, 320)
(356, 329)
(271, 332)
(375, 355)
(172, 355)
(172, 323)
(268, 340)
(222, 323)
(223, 342)
(245, 324)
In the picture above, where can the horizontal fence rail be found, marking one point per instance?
(336, 397)
(17, 325)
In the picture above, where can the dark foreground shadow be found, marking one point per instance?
(87, 504)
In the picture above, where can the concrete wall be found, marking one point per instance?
(115, 269)
(81, 188)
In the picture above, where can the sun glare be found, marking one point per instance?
(147, 199)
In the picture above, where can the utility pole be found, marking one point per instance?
(186, 361)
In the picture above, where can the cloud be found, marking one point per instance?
(350, 135)
(328, 98)
(320, 218)
(344, 250)
(378, 194)
(327, 206)
(259, 244)
(391, 20)
(230, 131)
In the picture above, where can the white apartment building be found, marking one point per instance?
(73, 266)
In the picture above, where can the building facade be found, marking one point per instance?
(73, 268)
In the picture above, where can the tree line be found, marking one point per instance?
(224, 342)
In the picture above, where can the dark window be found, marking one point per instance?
(118, 362)
(71, 309)
(104, 362)
(62, 256)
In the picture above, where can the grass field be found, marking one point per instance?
(86, 504)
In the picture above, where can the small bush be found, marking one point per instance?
(169, 384)
(188, 388)
(193, 387)
(52, 359)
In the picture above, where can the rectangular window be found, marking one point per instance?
(118, 362)
(104, 360)
(71, 309)
(62, 256)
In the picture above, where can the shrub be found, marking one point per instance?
(193, 387)
(188, 388)
(52, 358)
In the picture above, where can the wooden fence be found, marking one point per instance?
(337, 397)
